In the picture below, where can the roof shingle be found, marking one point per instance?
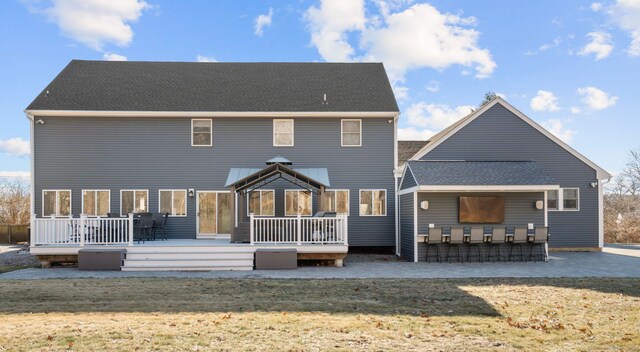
(212, 86)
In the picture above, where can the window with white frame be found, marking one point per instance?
(134, 201)
(201, 132)
(173, 201)
(336, 200)
(261, 202)
(351, 133)
(373, 202)
(56, 202)
(297, 202)
(552, 200)
(96, 202)
(283, 133)
(566, 199)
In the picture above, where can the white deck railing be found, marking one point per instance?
(82, 231)
(298, 230)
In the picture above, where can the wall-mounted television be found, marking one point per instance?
(481, 210)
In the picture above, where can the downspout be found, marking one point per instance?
(395, 181)
(32, 177)
(601, 211)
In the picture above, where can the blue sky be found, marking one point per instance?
(570, 65)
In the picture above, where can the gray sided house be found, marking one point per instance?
(192, 139)
(497, 151)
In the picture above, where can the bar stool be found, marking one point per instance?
(498, 238)
(540, 239)
(433, 239)
(455, 240)
(520, 238)
(476, 238)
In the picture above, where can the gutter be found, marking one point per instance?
(32, 177)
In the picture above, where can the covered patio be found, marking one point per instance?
(474, 211)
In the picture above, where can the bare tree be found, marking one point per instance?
(14, 202)
(622, 203)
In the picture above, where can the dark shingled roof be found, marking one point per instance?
(479, 173)
(407, 149)
(213, 86)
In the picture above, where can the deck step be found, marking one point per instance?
(182, 255)
(187, 268)
(185, 262)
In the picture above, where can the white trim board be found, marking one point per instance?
(488, 188)
(196, 114)
(600, 172)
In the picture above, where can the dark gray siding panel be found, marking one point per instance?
(156, 153)
(408, 181)
(500, 135)
(443, 212)
(407, 238)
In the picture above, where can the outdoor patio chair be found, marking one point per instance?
(540, 239)
(145, 226)
(159, 224)
(433, 239)
(520, 238)
(455, 240)
(476, 239)
(497, 239)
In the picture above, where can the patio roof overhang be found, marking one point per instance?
(243, 179)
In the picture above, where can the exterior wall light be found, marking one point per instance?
(192, 192)
(424, 205)
(539, 204)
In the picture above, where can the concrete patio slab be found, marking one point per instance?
(560, 265)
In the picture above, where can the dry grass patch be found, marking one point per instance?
(311, 315)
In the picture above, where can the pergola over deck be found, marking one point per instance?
(243, 180)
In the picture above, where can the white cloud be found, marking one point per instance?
(596, 99)
(414, 134)
(575, 110)
(556, 127)
(202, 58)
(435, 116)
(421, 36)
(329, 25)
(600, 45)
(93, 23)
(263, 21)
(546, 46)
(114, 57)
(433, 86)
(401, 92)
(15, 146)
(15, 174)
(626, 14)
(596, 6)
(417, 37)
(545, 101)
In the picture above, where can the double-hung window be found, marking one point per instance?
(283, 133)
(134, 201)
(297, 202)
(173, 201)
(96, 202)
(261, 202)
(56, 202)
(567, 199)
(201, 132)
(336, 200)
(351, 130)
(373, 202)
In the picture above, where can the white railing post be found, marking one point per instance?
(82, 232)
(299, 229)
(251, 234)
(345, 233)
(130, 223)
(32, 235)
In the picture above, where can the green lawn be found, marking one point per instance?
(310, 315)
